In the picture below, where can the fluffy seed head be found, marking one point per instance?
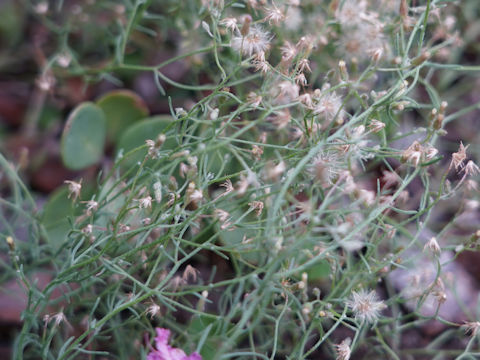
(365, 306)
(255, 41)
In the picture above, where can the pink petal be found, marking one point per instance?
(194, 356)
(164, 351)
(154, 356)
(177, 354)
(162, 336)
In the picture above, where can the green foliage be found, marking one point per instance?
(134, 137)
(296, 178)
(57, 216)
(83, 137)
(121, 108)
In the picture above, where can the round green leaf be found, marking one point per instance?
(55, 217)
(60, 211)
(122, 108)
(319, 271)
(136, 135)
(83, 137)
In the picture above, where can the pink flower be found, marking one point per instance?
(166, 352)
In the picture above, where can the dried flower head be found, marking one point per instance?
(228, 188)
(190, 272)
(274, 15)
(304, 66)
(343, 349)
(471, 168)
(433, 246)
(300, 79)
(254, 99)
(145, 203)
(230, 23)
(459, 157)
(257, 206)
(390, 178)
(413, 154)
(257, 152)
(58, 318)
(376, 126)
(274, 171)
(193, 194)
(153, 310)
(471, 327)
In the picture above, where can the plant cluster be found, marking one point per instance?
(304, 198)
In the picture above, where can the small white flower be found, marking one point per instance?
(64, 60)
(60, 317)
(180, 112)
(87, 230)
(45, 82)
(41, 8)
